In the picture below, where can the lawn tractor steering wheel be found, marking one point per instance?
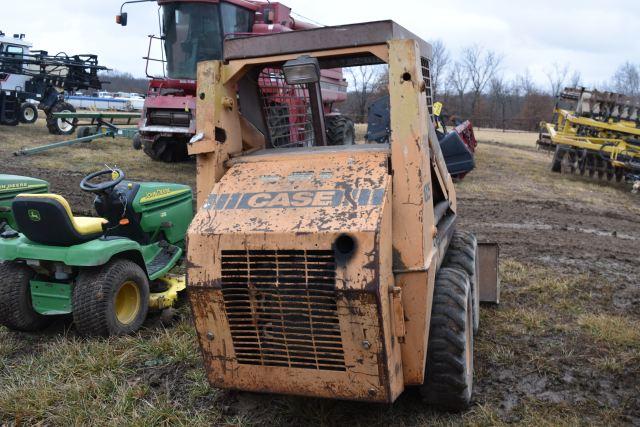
(86, 184)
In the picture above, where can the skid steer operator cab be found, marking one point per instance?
(323, 270)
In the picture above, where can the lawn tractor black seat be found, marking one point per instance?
(47, 219)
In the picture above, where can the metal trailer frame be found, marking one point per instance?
(589, 146)
(96, 126)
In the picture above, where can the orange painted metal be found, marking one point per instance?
(311, 270)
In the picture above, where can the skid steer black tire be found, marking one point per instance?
(340, 130)
(165, 150)
(448, 381)
(463, 254)
(95, 295)
(16, 310)
(54, 125)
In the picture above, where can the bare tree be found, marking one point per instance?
(626, 80)
(363, 85)
(439, 64)
(459, 80)
(525, 84)
(499, 91)
(481, 65)
(557, 78)
(576, 79)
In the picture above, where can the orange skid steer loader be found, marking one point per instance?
(330, 271)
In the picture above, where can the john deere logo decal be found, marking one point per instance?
(162, 193)
(34, 215)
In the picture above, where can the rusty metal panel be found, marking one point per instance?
(325, 38)
(278, 307)
(218, 123)
(489, 280)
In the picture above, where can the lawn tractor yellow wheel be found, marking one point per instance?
(111, 300)
(448, 381)
(16, 310)
(127, 303)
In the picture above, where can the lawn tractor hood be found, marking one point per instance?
(292, 299)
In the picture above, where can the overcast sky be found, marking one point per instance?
(593, 36)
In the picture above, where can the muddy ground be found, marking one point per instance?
(563, 347)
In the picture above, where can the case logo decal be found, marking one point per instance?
(295, 199)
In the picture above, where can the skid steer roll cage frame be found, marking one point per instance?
(227, 131)
(423, 198)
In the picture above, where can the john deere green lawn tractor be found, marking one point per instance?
(107, 271)
(10, 187)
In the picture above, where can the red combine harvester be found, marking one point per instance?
(195, 31)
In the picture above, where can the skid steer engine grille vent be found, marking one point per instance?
(281, 307)
(426, 75)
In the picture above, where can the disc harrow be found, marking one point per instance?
(595, 134)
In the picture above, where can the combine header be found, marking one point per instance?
(595, 133)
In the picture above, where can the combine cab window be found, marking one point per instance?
(194, 32)
(236, 20)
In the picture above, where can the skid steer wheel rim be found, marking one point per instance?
(63, 124)
(127, 303)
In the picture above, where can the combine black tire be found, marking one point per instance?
(61, 126)
(28, 113)
(136, 142)
(463, 254)
(95, 299)
(16, 310)
(449, 371)
(278, 121)
(340, 130)
(166, 150)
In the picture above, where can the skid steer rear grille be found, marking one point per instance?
(281, 307)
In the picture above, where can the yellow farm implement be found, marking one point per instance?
(595, 133)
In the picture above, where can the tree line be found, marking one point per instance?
(474, 85)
